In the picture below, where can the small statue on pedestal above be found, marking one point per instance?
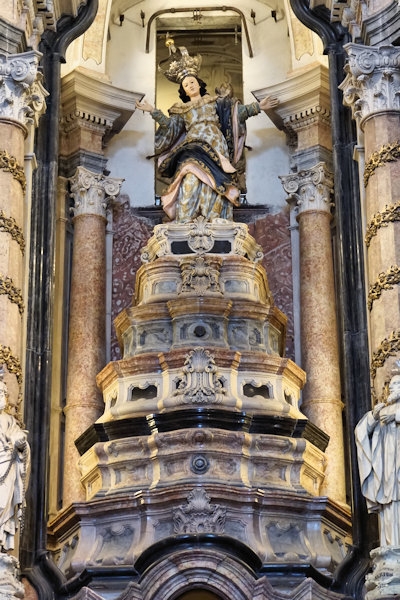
(378, 446)
(14, 471)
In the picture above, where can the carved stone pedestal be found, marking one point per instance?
(10, 585)
(202, 471)
(384, 581)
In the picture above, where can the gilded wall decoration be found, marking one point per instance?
(10, 164)
(13, 365)
(385, 281)
(7, 288)
(390, 346)
(9, 225)
(385, 154)
(382, 219)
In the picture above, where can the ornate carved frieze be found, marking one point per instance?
(92, 192)
(387, 153)
(198, 515)
(10, 226)
(8, 288)
(372, 80)
(385, 281)
(200, 275)
(9, 164)
(382, 219)
(199, 381)
(311, 189)
(22, 95)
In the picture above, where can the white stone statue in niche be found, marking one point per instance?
(378, 446)
(14, 471)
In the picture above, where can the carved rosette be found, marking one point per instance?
(310, 189)
(92, 192)
(372, 81)
(22, 95)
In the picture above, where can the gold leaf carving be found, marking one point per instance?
(9, 225)
(10, 164)
(382, 219)
(13, 365)
(385, 281)
(390, 346)
(385, 154)
(7, 288)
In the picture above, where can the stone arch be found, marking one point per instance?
(177, 570)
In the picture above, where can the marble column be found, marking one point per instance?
(311, 190)
(22, 101)
(86, 343)
(371, 89)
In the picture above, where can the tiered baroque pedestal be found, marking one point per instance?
(202, 471)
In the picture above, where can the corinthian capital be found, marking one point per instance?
(373, 79)
(22, 95)
(92, 192)
(310, 189)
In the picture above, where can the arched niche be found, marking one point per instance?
(198, 595)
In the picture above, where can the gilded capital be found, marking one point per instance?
(92, 192)
(22, 95)
(372, 79)
(310, 189)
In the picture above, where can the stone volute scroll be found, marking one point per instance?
(92, 192)
(377, 438)
(22, 95)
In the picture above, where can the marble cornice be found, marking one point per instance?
(372, 80)
(303, 99)
(92, 192)
(310, 189)
(91, 102)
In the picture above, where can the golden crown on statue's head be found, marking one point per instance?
(180, 68)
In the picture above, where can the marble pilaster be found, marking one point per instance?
(86, 346)
(371, 90)
(22, 101)
(310, 190)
